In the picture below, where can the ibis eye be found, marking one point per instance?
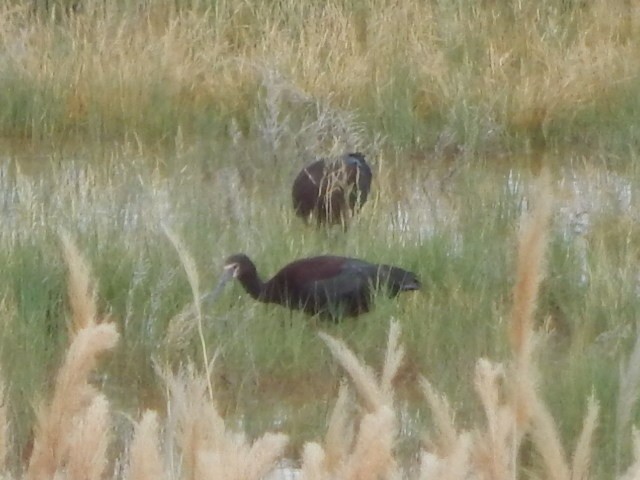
(233, 269)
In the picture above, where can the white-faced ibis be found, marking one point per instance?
(332, 190)
(331, 286)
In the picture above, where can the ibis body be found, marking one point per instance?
(331, 191)
(328, 285)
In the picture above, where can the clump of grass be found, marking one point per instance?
(475, 78)
(512, 404)
(365, 451)
(207, 446)
(145, 457)
(72, 430)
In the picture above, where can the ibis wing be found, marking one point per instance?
(306, 278)
(339, 296)
(335, 285)
(347, 283)
(309, 270)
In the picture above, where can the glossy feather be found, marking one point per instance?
(330, 191)
(328, 285)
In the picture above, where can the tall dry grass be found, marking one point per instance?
(511, 401)
(209, 449)
(145, 457)
(365, 450)
(72, 430)
(473, 73)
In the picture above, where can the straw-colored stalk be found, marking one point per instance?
(74, 407)
(209, 450)
(532, 245)
(190, 268)
(71, 432)
(81, 293)
(145, 458)
(369, 452)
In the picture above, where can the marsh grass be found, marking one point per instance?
(271, 370)
(514, 433)
(457, 77)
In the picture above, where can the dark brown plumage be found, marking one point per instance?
(330, 191)
(328, 285)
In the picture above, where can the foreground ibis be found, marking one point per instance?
(331, 190)
(331, 286)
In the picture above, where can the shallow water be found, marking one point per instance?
(422, 206)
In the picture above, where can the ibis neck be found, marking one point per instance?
(253, 286)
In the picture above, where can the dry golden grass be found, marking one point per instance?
(72, 430)
(509, 396)
(522, 65)
(145, 457)
(179, 321)
(82, 295)
(208, 448)
(365, 451)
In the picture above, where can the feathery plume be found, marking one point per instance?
(82, 295)
(546, 439)
(362, 375)
(393, 360)
(72, 396)
(532, 243)
(372, 453)
(209, 450)
(493, 450)
(192, 274)
(89, 439)
(582, 455)
(454, 466)
(443, 418)
(145, 460)
(314, 464)
(262, 455)
(339, 436)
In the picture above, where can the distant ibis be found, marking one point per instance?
(331, 190)
(331, 286)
